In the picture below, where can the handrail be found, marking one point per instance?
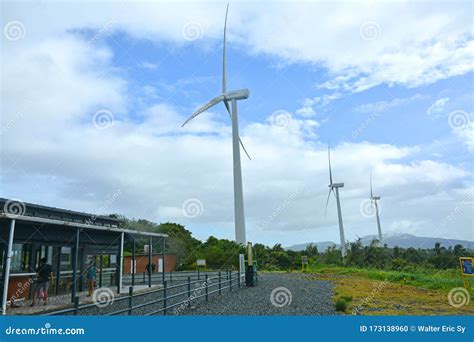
(221, 281)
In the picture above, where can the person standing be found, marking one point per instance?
(44, 273)
(91, 275)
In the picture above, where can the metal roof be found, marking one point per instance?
(35, 213)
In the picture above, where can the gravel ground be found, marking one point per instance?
(275, 294)
(308, 297)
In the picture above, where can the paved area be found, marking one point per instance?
(276, 294)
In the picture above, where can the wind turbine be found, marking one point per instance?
(334, 188)
(233, 96)
(374, 199)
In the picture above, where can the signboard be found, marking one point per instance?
(146, 249)
(304, 263)
(201, 262)
(466, 266)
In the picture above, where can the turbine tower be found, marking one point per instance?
(334, 188)
(373, 200)
(231, 96)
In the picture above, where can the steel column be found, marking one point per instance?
(150, 248)
(133, 260)
(74, 266)
(58, 269)
(163, 257)
(6, 268)
(120, 264)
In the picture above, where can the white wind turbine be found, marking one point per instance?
(232, 96)
(373, 200)
(334, 188)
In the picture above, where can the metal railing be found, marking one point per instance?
(216, 283)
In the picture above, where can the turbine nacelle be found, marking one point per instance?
(336, 185)
(240, 94)
(375, 198)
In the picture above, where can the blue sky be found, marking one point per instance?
(393, 98)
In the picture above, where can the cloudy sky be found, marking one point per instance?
(94, 93)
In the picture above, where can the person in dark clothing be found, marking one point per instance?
(44, 273)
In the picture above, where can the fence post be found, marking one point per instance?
(76, 305)
(199, 278)
(238, 278)
(220, 292)
(130, 297)
(207, 289)
(230, 280)
(164, 297)
(171, 276)
(189, 292)
(143, 277)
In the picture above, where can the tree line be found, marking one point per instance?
(222, 253)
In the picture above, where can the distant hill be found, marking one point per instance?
(400, 240)
(322, 246)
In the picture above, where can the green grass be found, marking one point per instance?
(430, 279)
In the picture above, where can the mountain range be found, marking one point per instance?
(400, 240)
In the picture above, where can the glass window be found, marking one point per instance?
(20, 257)
(66, 258)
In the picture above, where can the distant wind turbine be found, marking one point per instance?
(373, 200)
(232, 96)
(334, 188)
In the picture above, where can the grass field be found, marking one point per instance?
(379, 292)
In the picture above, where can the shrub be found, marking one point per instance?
(341, 305)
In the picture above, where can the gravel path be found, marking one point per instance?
(275, 294)
(308, 297)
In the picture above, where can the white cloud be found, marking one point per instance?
(437, 107)
(466, 134)
(384, 105)
(434, 42)
(306, 111)
(52, 154)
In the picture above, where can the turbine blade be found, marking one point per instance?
(327, 202)
(329, 159)
(243, 147)
(201, 110)
(224, 62)
(226, 103)
(371, 194)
